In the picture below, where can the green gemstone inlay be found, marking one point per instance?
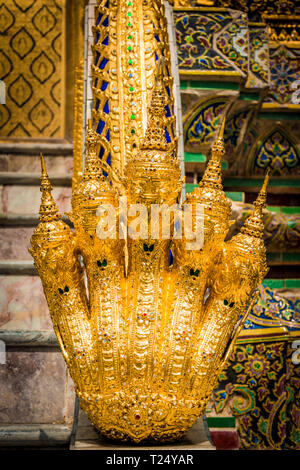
(132, 116)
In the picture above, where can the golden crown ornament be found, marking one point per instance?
(145, 340)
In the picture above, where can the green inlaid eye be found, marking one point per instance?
(194, 273)
(60, 290)
(67, 289)
(225, 302)
(103, 263)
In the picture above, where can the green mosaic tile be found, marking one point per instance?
(221, 422)
(280, 116)
(273, 283)
(272, 257)
(292, 283)
(284, 209)
(235, 196)
(290, 210)
(183, 84)
(294, 257)
(249, 96)
(189, 187)
(213, 85)
(194, 157)
(274, 209)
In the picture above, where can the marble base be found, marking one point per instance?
(38, 435)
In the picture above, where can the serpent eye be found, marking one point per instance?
(102, 264)
(225, 302)
(231, 305)
(148, 248)
(194, 273)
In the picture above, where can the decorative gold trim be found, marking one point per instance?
(78, 129)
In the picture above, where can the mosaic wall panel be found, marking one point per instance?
(233, 130)
(261, 384)
(32, 59)
(258, 57)
(277, 152)
(284, 70)
(212, 42)
(201, 123)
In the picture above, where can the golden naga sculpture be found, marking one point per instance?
(145, 339)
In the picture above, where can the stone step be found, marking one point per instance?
(23, 305)
(47, 147)
(24, 220)
(23, 199)
(36, 392)
(32, 164)
(15, 267)
(14, 243)
(37, 435)
(30, 179)
(30, 338)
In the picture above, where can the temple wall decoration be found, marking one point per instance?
(33, 67)
(260, 387)
(34, 56)
(234, 58)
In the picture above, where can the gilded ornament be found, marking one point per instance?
(145, 340)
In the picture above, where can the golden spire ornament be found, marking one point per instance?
(143, 348)
(254, 223)
(48, 208)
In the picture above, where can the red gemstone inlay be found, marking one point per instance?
(137, 416)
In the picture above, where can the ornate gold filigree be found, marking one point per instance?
(146, 340)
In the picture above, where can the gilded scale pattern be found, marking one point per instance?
(147, 340)
(129, 39)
